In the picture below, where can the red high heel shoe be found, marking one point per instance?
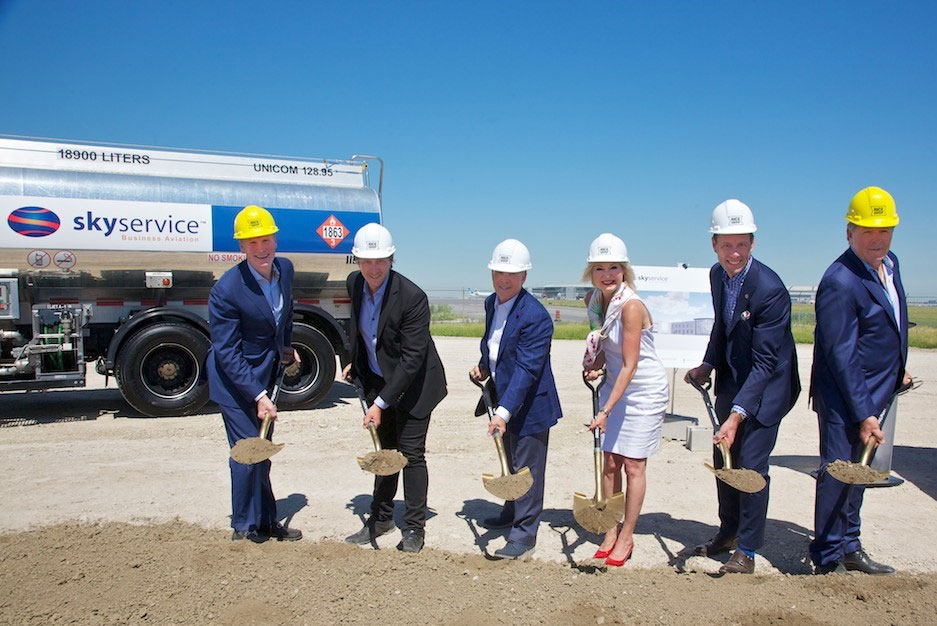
(601, 554)
(616, 563)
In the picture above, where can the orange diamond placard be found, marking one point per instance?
(332, 231)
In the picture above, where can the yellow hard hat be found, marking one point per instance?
(873, 207)
(253, 221)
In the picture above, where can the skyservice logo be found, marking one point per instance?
(33, 221)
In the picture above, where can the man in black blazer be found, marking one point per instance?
(393, 355)
(752, 350)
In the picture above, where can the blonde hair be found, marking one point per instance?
(625, 267)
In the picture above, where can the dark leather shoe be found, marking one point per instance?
(493, 523)
(738, 563)
(250, 535)
(412, 541)
(371, 531)
(514, 550)
(833, 567)
(859, 561)
(282, 533)
(716, 545)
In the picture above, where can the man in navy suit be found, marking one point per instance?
(515, 352)
(250, 310)
(859, 355)
(395, 358)
(752, 350)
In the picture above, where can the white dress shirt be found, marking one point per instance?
(494, 343)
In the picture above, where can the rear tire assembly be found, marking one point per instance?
(159, 367)
(317, 369)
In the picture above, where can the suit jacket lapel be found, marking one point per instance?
(745, 295)
(875, 287)
(718, 295)
(510, 323)
(256, 295)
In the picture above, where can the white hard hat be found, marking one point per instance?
(607, 248)
(510, 256)
(373, 241)
(732, 217)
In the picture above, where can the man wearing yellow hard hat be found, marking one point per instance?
(859, 356)
(250, 310)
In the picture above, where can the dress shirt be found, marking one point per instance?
(367, 327)
(274, 297)
(494, 343)
(889, 285)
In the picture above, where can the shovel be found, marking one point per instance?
(507, 486)
(252, 450)
(745, 480)
(860, 473)
(380, 462)
(599, 513)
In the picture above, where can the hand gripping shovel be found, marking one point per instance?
(380, 462)
(599, 513)
(745, 480)
(507, 486)
(860, 473)
(252, 450)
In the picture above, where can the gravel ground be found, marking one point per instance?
(96, 494)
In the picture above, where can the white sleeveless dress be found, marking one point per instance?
(633, 427)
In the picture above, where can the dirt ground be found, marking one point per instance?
(110, 517)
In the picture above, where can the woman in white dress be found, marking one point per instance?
(635, 396)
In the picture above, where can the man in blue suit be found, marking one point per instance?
(859, 355)
(250, 310)
(515, 353)
(752, 350)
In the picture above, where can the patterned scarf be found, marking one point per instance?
(599, 325)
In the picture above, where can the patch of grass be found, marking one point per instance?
(441, 312)
(577, 304)
(457, 329)
(924, 335)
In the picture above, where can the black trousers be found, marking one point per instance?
(401, 431)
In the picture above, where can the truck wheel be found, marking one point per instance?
(317, 369)
(158, 369)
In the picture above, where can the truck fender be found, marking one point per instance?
(327, 324)
(145, 318)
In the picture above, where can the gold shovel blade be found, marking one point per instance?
(254, 450)
(854, 473)
(597, 518)
(509, 486)
(382, 462)
(745, 480)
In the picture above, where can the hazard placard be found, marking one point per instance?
(332, 231)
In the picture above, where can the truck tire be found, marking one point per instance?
(317, 369)
(159, 367)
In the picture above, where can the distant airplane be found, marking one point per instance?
(475, 293)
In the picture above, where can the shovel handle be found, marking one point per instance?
(726, 455)
(502, 455)
(704, 391)
(374, 438)
(265, 425)
(867, 452)
(486, 397)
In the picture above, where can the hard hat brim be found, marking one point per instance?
(507, 269)
(258, 232)
(874, 222)
(374, 254)
(733, 230)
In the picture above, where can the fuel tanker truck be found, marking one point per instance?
(108, 254)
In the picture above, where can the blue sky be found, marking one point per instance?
(549, 122)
